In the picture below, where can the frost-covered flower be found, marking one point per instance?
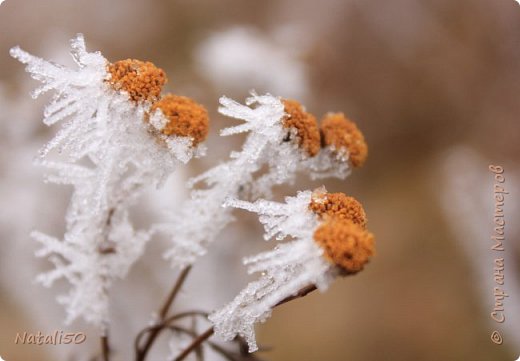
(343, 138)
(331, 150)
(329, 239)
(283, 138)
(116, 139)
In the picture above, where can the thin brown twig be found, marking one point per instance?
(199, 351)
(173, 294)
(137, 341)
(105, 348)
(228, 355)
(183, 315)
(301, 293)
(163, 312)
(105, 345)
(209, 332)
(164, 324)
(196, 343)
(225, 353)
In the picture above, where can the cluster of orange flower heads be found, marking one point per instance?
(342, 233)
(143, 81)
(335, 130)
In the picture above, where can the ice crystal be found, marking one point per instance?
(108, 153)
(285, 270)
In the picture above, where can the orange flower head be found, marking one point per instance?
(338, 205)
(185, 117)
(305, 125)
(345, 244)
(143, 81)
(341, 133)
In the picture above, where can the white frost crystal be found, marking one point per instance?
(285, 270)
(202, 217)
(108, 154)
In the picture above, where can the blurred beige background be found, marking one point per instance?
(433, 84)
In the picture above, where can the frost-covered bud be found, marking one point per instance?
(305, 125)
(142, 80)
(346, 244)
(343, 135)
(183, 117)
(328, 240)
(338, 205)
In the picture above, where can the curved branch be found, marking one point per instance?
(209, 332)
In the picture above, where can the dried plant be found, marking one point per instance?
(120, 135)
(113, 144)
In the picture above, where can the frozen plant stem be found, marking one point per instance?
(163, 313)
(209, 332)
(119, 136)
(166, 324)
(195, 344)
(105, 249)
(222, 351)
(105, 348)
(175, 291)
(328, 240)
(302, 293)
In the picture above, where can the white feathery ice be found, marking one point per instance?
(202, 218)
(107, 153)
(284, 271)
